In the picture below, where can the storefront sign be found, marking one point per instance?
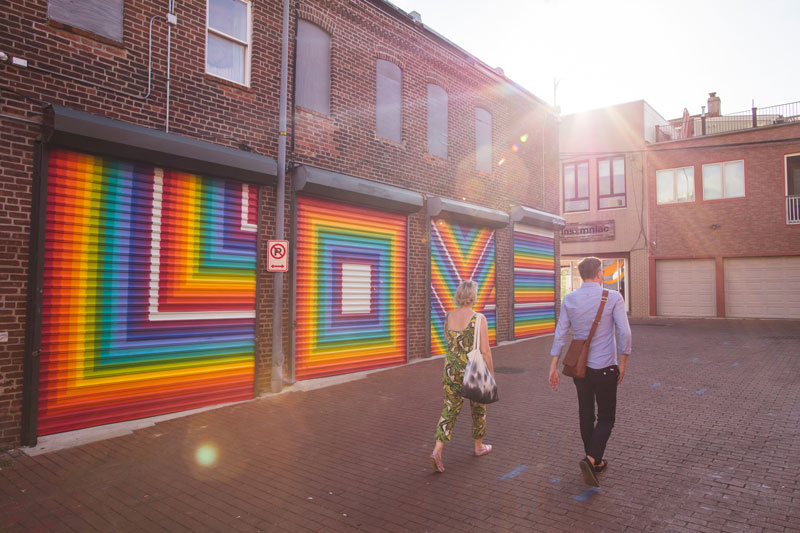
(601, 230)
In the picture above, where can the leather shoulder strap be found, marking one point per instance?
(603, 300)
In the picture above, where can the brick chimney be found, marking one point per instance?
(714, 105)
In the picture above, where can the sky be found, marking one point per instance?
(671, 53)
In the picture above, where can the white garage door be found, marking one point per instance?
(686, 287)
(762, 287)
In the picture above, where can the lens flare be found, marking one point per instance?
(500, 163)
(206, 455)
(524, 138)
(514, 148)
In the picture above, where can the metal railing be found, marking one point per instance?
(793, 209)
(742, 120)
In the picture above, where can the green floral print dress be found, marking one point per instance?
(459, 344)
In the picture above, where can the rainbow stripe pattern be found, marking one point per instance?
(149, 292)
(534, 282)
(459, 253)
(351, 289)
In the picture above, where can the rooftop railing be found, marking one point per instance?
(742, 120)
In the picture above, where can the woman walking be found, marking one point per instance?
(459, 332)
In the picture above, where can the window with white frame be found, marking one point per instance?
(483, 140)
(576, 187)
(313, 71)
(723, 180)
(675, 185)
(437, 121)
(229, 32)
(611, 183)
(388, 101)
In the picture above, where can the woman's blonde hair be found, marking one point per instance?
(466, 293)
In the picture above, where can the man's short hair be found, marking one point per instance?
(589, 268)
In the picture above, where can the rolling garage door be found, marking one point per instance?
(460, 252)
(351, 288)
(762, 287)
(534, 282)
(148, 302)
(686, 287)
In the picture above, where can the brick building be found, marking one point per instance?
(603, 197)
(724, 215)
(138, 192)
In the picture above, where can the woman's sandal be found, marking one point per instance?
(486, 448)
(600, 468)
(436, 462)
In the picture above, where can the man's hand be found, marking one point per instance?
(622, 364)
(555, 377)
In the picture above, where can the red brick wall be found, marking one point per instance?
(214, 110)
(754, 225)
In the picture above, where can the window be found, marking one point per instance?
(576, 187)
(793, 175)
(675, 185)
(313, 76)
(483, 140)
(723, 180)
(611, 183)
(228, 40)
(101, 17)
(389, 101)
(437, 121)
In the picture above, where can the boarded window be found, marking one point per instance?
(313, 80)
(437, 121)
(483, 140)
(101, 17)
(389, 101)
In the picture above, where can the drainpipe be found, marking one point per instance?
(276, 376)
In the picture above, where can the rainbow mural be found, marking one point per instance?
(534, 282)
(351, 289)
(149, 292)
(460, 253)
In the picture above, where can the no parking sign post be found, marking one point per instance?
(277, 256)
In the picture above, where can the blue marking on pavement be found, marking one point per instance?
(701, 391)
(656, 384)
(735, 364)
(514, 473)
(555, 480)
(585, 496)
(680, 388)
(693, 359)
(726, 342)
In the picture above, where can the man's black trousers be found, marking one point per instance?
(600, 386)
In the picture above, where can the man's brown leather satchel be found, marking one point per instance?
(578, 351)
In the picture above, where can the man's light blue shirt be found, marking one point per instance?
(578, 311)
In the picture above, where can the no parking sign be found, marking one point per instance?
(277, 256)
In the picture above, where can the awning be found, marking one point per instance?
(466, 213)
(95, 134)
(313, 180)
(534, 217)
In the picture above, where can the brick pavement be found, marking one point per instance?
(706, 440)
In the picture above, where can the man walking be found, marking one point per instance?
(603, 372)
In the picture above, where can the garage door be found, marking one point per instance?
(534, 282)
(148, 304)
(686, 287)
(762, 287)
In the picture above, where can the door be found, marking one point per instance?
(686, 287)
(534, 282)
(351, 288)
(762, 287)
(459, 253)
(149, 292)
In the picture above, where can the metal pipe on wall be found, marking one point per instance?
(276, 378)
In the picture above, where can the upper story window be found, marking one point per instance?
(101, 17)
(793, 175)
(437, 121)
(228, 40)
(723, 180)
(313, 74)
(611, 183)
(483, 140)
(388, 101)
(675, 185)
(576, 187)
